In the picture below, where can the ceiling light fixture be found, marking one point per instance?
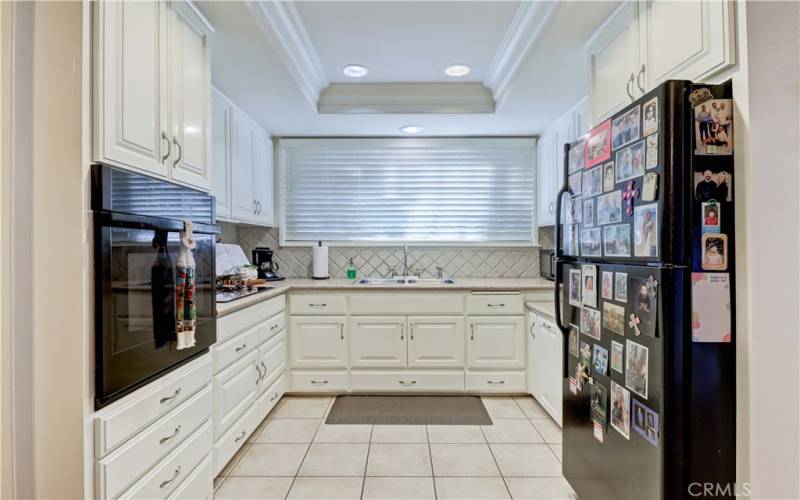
(457, 70)
(411, 129)
(354, 70)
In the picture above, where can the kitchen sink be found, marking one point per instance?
(409, 280)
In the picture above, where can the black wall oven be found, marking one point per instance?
(137, 221)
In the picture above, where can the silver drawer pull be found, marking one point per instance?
(403, 382)
(496, 382)
(273, 327)
(273, 398)
(265, 369)
(260, 375)
(167, 438)
(241, 436)
(241, 347)
(496, 305)
(318, 305)
(174, 477)
(319, 382)
(548, 326)
(169, 398)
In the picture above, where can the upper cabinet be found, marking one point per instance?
(647, 42)
(243, 172)
(151, 90)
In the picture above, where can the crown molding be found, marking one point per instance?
(523, 33)
(406, 98)
(284, 29)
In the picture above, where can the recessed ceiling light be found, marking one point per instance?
(457, 70)
(354, 70)
(411, 129)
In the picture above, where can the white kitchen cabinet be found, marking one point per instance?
(152, 90)
(496, 342)
(263, 178)
(318, 341)
(581, 119)
(614, 62)
(686, 40)
(378, 342)
(546, 171)
(545, 364)
(220, 152)
(243, 201)
(435, 342)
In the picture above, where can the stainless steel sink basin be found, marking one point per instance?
(404, 281)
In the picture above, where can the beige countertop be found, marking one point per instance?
(468, 284)
(545, 308)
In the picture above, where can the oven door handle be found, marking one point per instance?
(118, 219)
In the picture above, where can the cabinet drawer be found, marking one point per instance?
(271, 396)
(230, 442)
(165, 477)
(235, 323)
(495, 304)
(234, 392)
(119, 421)
(318, 303)
(496, 382)
(320, 381)
(274, 325)
(120, 468)
(407, 381)
(405, 303)
(200, 484)
(236, 348)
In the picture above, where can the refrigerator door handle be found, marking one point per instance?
(557, 290)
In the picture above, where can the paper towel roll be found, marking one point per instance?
(320, 256)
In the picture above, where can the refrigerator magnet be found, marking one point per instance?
(573, 340)
(643, 305)
(589, 282)
(711, 307)
(650, 187)
(712, 217)
(645, 230)
(634, 322)
(575, 299)
(608, 285)
(598, 432)
(631, 193)
(590, 322)
(636, 361)
(621, 287)
(599, 405)
(645, 422)
(608, 177)
(573, 386)
(598, 145)
(600, 360)
(614, 318)
(651, 152)
(620, 409)
(625, 128)
(713, 127)
(650, 121)
(616, 356)
(715, 252)
(590, 242)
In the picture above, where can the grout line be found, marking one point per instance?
(430, 454)
(366, 462)
(294, 479)
(497, 464)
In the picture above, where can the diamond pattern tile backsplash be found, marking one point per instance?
(463, 262)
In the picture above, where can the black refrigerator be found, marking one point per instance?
(645, 254)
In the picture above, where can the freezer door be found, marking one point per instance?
(623, 348)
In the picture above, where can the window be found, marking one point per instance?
(375, 191)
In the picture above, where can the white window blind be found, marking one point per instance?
(415, 190)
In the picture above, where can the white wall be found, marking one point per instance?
(767, 184)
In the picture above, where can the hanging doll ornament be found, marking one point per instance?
(629, 195)
(185, 310)
(652, 286)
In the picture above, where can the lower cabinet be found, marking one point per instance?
(496, 342)
(435, 342)
(407, 381)
(318, 341)
(545, 369)
(378, 342)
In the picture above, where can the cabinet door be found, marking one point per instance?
(580, 118)
(191, 88)
(686, 40)
(243, 202)
(549, 341)
(613, 63)
(378, 341)
(263, 178)
(234, 390)
(131, 98)
(220, 152)
(545, 167)
(318, 341)
(496, 342)
(534, 361)
(435, 342)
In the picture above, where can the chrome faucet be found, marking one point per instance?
(405, 259)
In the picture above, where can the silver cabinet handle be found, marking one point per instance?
(403, 382)
(341, 330)
(260, 375)
(273, 327)
(165, 137)
(496, 305)
(319, 382)
(180, 152)
(167, 438)
(241, 347)
(254, 206)
(628, 87)
(258, 204)
(241, 436)
(169, 398)
(264, 366)
(472, 331)
(174, 477)
(402, 328)
(411, 330)
(638, 79)
(317, 305)
(547, 326)
(531, 329)
(496, 382)
(273, 398)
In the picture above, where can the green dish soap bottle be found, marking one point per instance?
(351, 270)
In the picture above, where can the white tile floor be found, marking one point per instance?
(295, 455)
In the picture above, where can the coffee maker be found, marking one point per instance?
(267, 269)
